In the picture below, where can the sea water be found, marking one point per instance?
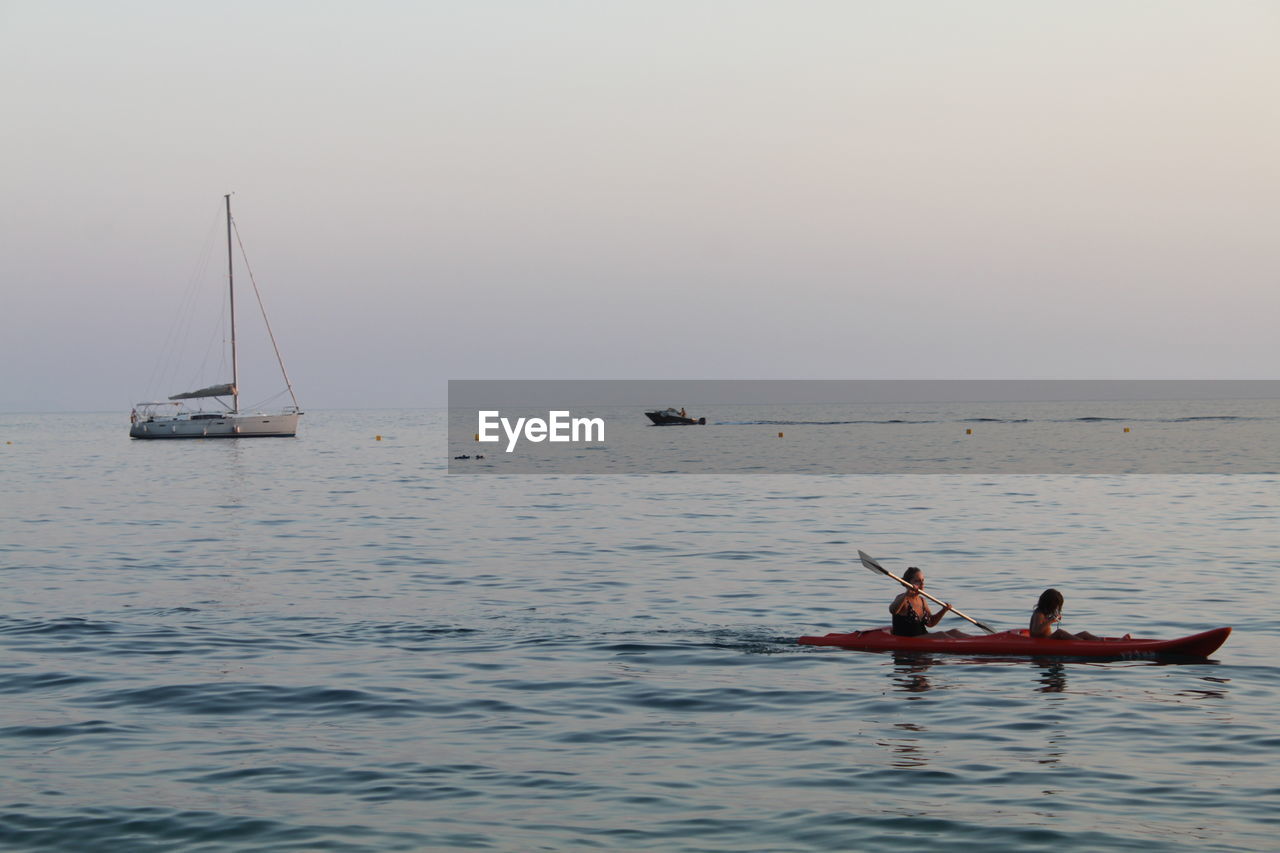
(331, 643)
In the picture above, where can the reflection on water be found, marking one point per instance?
(1053, 677)
(1206, 693)
(907, 751)
(1055, 750)
(909, 672)
(910, 668)
(909, 676)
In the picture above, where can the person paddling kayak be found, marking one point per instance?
(1048, 613)
(910, 611)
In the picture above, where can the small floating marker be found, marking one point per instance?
(779, 435)
(968, 432)
(377, 438)
(1126, 429)
(477, 437)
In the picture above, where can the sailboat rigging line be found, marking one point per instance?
(263, 403)
(217, 341)
(265, 319)
(165, 370)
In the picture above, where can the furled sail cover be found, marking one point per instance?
(212, 391)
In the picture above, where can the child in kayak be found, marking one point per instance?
(910, 611)
(1048, 613)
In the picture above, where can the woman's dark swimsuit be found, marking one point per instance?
(908, 623)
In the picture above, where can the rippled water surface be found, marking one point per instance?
(329, 643)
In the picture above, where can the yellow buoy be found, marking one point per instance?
(779, 435)
(1126, 429)
(377, 438)
(477, 438)
(968, 432)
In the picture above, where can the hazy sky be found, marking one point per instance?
(685, 189)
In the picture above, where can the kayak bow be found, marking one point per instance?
(1021, 643)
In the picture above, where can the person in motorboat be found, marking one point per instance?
(1047, 614)
(910, 611)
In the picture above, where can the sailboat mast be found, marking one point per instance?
(231, 287)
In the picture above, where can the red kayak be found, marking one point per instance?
(1022, 644)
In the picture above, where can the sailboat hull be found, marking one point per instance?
(224, 426)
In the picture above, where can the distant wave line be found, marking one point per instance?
(1085, 420)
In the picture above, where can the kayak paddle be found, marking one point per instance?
(870, 563)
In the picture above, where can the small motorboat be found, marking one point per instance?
(667, 417)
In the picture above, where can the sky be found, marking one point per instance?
(675, 189)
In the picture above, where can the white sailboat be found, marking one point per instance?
(172, 419)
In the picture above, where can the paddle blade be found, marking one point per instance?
(870, 563)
